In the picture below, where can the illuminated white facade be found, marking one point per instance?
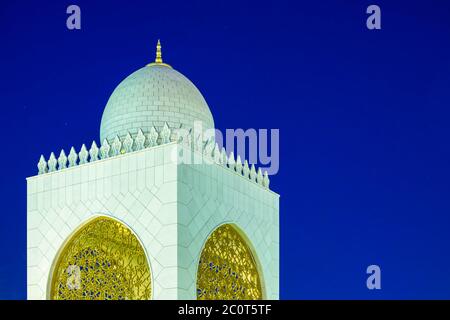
(137, 178)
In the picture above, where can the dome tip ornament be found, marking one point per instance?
(158, 59)
(158, 52)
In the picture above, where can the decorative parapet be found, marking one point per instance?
(209, 150)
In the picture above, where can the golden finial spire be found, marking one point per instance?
(158, 59)
(158, 53)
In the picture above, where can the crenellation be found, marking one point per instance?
(127, 144)
(104, 149)
(52, 163)
(231, 162)
(208, 150)
(238, 165)
(62, 160)
(73, 157)
(42, 165)
(83, 155)
(93, 152)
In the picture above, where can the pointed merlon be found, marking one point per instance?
(266, 180)
(42, 165)
(52, 162)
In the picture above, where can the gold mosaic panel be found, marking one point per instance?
(102, 261)
(227, 268)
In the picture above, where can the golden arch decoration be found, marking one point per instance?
(103, 260)
(227, 269)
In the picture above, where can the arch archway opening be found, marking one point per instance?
(102, 260)
(227, 267)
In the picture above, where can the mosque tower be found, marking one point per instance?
(138, 216)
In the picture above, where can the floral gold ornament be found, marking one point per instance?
(102, 261)
(227, 269)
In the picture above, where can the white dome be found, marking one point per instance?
(150, 97)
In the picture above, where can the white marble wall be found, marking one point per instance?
(171, 208)
(138, 189)
(211, 195)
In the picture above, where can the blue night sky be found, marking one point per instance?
(363, 118)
